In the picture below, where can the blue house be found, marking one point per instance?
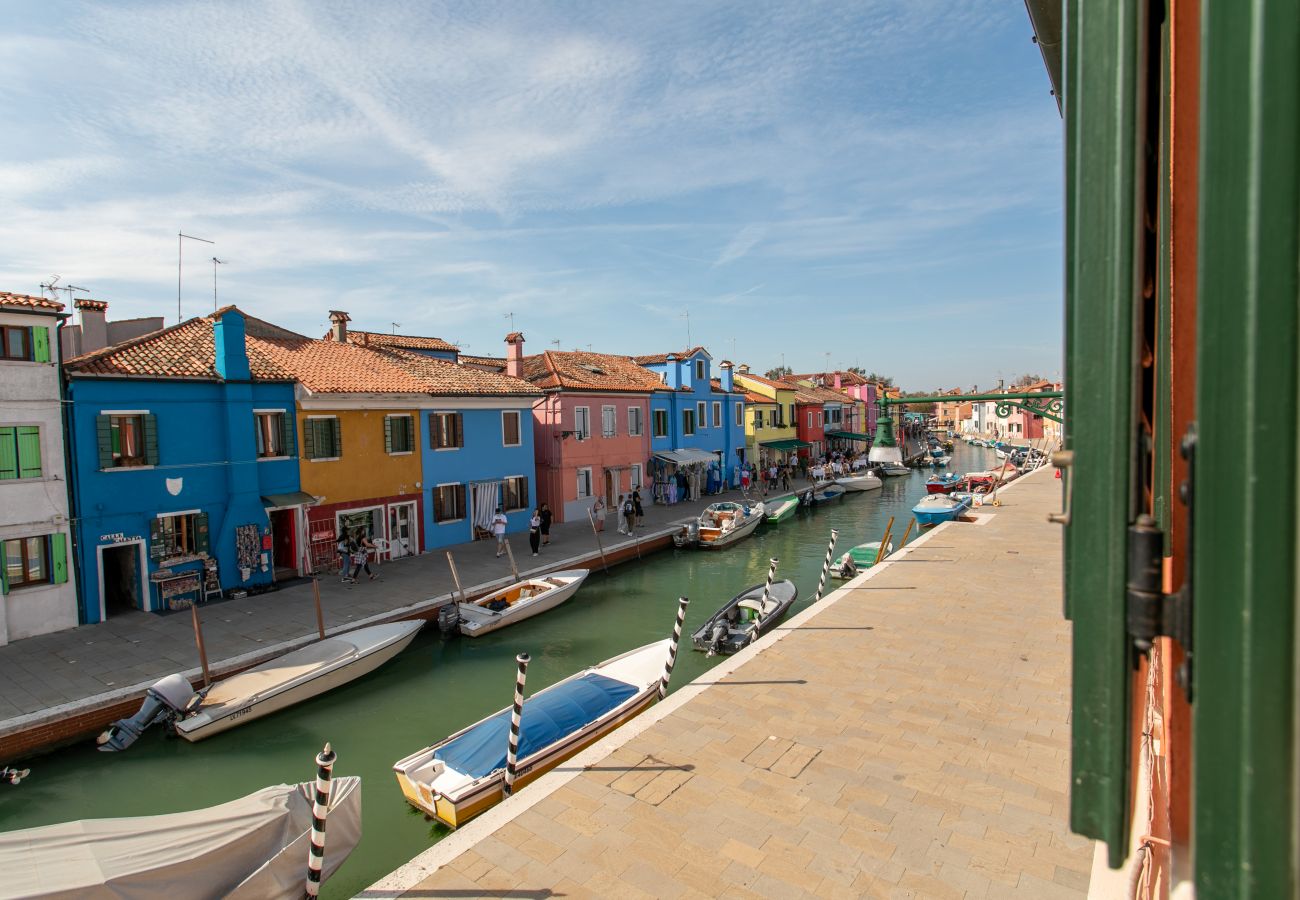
(697, 423)
(180, 443)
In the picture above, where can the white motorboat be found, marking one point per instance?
(721, 525)
(463, 775)
(745, 617)
(519, 601)
(253, 848)
(858, 560)
(264, 689)
(895, 468)
(780, 510)
(865, 481)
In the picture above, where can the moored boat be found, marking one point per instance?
(519, 601)
(721, 525)
(745, 618)
(942, 484)
(865, 481)
(254, 848)
(895, 469)
(463, 775)
(858, 560)
(936, 508)
(780, 510)
(828, 493)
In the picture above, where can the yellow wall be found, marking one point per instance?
(364, 470)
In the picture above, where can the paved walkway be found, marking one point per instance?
(908, 737)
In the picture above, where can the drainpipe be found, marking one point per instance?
(70, 473)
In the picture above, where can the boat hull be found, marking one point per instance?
(485, 623)
(784, 510)
(785, 593)
(859, 483)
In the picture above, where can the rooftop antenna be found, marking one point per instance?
(396, 325)
(687, 316)
(215, 262)
(180, 242)
(511, 317)
(70, 288)
(733, 348)
(556, 343)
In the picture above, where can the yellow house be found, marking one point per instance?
(769, 419)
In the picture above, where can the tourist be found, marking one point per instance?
(618, 511)
(545, 513)
(499, 529)
(785, 475)
(597, 513)
(771, 476)
(535, 529)
(362, 545)
(344, 548)
(744, 478)
(629, 513)
(636, 505)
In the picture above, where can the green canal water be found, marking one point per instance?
(438, 686)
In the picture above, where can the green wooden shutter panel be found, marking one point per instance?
(41, 344)
(308, 439)
(104, 437)
(59, 558)
(288, 429)
(388, 434)
(156, 548)
(4, 570)
(8, 453)
(150, 439)
(201, 543)
(29, 452)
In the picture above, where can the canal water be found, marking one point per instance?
(438, 686)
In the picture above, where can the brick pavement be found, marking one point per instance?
(909, 737)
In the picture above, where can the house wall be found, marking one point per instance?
(723, 440)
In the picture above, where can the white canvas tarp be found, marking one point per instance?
(254, 848)
(687, 456)
(486, 500)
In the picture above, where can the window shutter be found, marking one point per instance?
(459, 437)
(156, 549)
(104, 436)
(524, 498)
(433, 435)
(4, 570)
(388, 434)
(150, 439)
(460, 496)
(308, 439)
(29, 452)
(288, 430)
(8, 453)
(336, 437)
(201, 543)
(59, 558)
(437, 504)
(41, 344)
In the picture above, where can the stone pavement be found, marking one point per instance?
(907, 737)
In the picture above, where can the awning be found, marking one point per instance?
(787, 444)
(686, 457)
(297, 498)
(848, 435)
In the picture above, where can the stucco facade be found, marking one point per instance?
(777, 425)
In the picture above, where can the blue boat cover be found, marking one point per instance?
(549, 717)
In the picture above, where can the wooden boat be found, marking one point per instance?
(519, 601)
(936, 508)
(264, 689)
(253, 848)
(858, 560)
(866, 481)
(721, 525)
(942, 484)
(745, 618)
(780, 510)
(463, 775)
(940, 462)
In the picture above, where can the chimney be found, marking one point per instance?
(339, 326)
(231, 360)
(94, 325)
(838, 381)
(674, 373)
(515, 354)
(725, 377)
(743, 369)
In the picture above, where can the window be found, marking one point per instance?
(399, 434)
(22, 343)
(584, 483)
(322, 437)
(514, 493)
(740, 415)
(274, 433)
(582, 422)
(794, 416)
(688, 421)
(717, 414)
(636, 477)
(758, 418)
(699, 370)
(608, 422)
(634, 424)
(127, 439)
(27, 561)
(445, 431)
(701, 414)
(179, 534)
(810, 418)
(448, 502)
(660, 423)
(510, 436)
(774, 418)
(20, 452)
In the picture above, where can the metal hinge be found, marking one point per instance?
(1152, 613)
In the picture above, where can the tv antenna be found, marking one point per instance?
(511, 317)
(687, 316)
(180, 243)
(556, 343)
(396, 325)
(53, 287)
(215, 262)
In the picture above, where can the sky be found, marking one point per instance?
(874, 184)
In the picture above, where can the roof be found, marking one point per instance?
(496, 362)
(827, 379)
(30, 302)
(751, 397)
(585, 371)
(779, 385)
(87, 303)
(409, 341)
(661, 358)
(716, 384)
(821, 394)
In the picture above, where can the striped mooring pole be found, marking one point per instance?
(682, 603)
(319, 810)
(826, 566)
(771, 576)
(516, 716)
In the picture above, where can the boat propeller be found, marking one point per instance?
(168, 700)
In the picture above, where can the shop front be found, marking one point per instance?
(680, 474)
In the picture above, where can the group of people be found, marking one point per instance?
(539, 529)
(354, 554)
(628, 510)
(772, 475)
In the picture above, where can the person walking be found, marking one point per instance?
(545, 512)
(744, 480)
(535, 530)
(361, 547)
(344, 549)
(785, 476)
(597, 513)
(636, 506)
(618, 511)
(629, 513)
(499, 522)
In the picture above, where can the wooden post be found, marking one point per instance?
(455, 576)
(511, 554)
(903, 542)
(884, 542)
(320, 616)
(599, 546)
(198, 640)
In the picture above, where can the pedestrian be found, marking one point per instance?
(344, 549)
(545, 513)
(785, 476)
(744, 479)
(629, 513)
(771, 475)
(597, 512)
(499, 522)
(618, 511)
(535, 530)
(361, 547)
(636, 506)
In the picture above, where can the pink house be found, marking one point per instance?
(860, 419)
(591, 428)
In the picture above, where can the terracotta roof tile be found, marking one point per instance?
(578, 370)
(660, 358)
(493, 362)
(765, 381)
(87, 303)
(409, 341)
(716, 384)
(8, 299)
(751, 397)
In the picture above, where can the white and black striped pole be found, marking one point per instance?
(516, 716)
(672, 647)
(826, 566)
(771, 576)
(319, 810)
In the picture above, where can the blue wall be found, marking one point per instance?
(482, 458)
(206, 445)
(726, 438)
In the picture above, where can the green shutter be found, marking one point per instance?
(4, 570)
(104, 436)
(388, 434)
(336, 436)
(29, 452)
(8, 453)
(308, 439)
(156, 548)
(59, 558)
(150, 439)
(41, 344)
(201, 543)
(287, 431)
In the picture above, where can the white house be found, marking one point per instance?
(36, 580)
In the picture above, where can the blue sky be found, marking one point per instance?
(876, 181)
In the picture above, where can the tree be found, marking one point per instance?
(882, 380)
(1027, 379)
(779, 372)
(858, 370)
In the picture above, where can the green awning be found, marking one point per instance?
(848, 435)
(297, 498)
(788, 444)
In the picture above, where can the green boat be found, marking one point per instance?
(780, 510)
(858, 560)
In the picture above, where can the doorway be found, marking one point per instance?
(284, 543)
(612, 488)
(119, 566)
(401, 530)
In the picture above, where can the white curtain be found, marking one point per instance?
(485, 502)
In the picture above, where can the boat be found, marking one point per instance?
(254, 848)
(940, 462)
(744, 618)
(463, 775)
(780, 510)
(519, 601)
(895, 469)
(936, 508)
(936, 450)
(721, 525)
(828, 493)
(858, 560)
(942, 484)
(264, 689)
(866, 481)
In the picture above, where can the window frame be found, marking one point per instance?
(278, 431)
(335, 448)
(635, 423)
(699, 370)
(29, 344)
(519, 428)
(688, 422)
(443, 439)
(461, 497)
(19, 468)
(609, 414)
(582, 430)
(740, 415)
(521, 497)
(656, 416)
(391, 434)
(47, 562)
(717, 414)
(133, 462)
(637, 477)
(584, 471)
(170, 548)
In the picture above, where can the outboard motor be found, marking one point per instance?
(717, 637)
(169, 700)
